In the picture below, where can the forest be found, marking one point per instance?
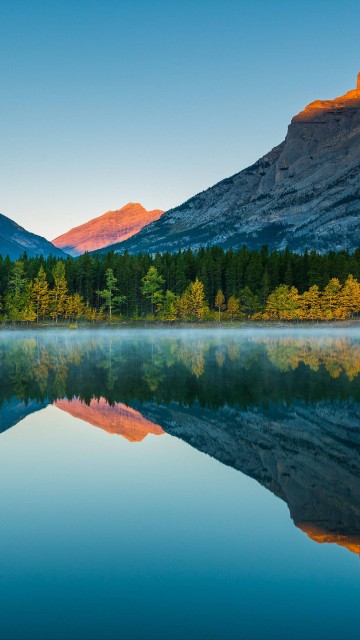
(209, 285)
(167, 369)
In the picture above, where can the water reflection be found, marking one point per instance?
(116, 419)
(284, 410)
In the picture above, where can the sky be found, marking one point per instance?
(105, 102)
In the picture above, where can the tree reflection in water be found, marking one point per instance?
(283, 410)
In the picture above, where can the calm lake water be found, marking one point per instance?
(180, 484)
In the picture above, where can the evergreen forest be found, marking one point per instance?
(211, 284)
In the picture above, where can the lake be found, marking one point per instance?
(180, 484)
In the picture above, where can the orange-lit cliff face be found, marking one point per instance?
(113, 226)
(349, 100)
(352, 543)
(117, 419)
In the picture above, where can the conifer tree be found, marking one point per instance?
(59, 291)
(169, 311)
(110, 301)
(192, 302)
(330, 300)
(18, 304)
(233, 308)
(349, 297)
(249, 301)
(40, 294)
(74, 307)
(152, 287)
(220, 302)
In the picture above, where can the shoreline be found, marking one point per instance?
(151, 325)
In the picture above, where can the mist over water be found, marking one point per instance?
(113, 526)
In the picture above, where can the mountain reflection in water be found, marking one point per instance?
(283, 410)
(117, 419)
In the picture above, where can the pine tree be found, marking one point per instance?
(18, 304)
(220, 302)
(40, 294)
(233, 308)
(152, 287)
(108, 294)
(330, 300)
(249, 301)
(169, 311)
(59, 291)
(192, 302)
(349, 297)
(265, 287)
(74, 307)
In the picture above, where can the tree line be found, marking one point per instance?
(189, 371)
(211, 284)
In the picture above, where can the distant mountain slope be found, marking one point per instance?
(14, 240)
(14, 410)
(111, 227)
(304, 193)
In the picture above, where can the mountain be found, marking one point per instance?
(306, 454)
(15, 240)
(305, 193)
(14, 410)
(111, 227)
(116, 419)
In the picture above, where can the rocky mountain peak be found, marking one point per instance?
(15, 240)
(303, 194)
(113, 226)
(351, 99)
(116, 419)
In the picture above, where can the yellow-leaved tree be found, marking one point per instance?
(233, 308)
(192, 303)
(310, 304)
(40, 295)
(74, 307)
(330, 301)
(59, 291)
(220, 303)
(282, 304)
(349, 297)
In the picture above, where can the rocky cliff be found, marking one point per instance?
(307, 455)
(15, 240)
(305, 193)
(111, 227)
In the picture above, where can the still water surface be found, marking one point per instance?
(177, 484)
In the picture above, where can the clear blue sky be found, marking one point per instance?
(105, 102)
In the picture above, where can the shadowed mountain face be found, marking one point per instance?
(111, 227)
(15, 410)
(284, 410)
(305, 193)
(14, 241)
(309, 456)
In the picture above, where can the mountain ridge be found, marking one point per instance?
(307, 186)
(106, 229)
(15, 240)
(306, 455)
